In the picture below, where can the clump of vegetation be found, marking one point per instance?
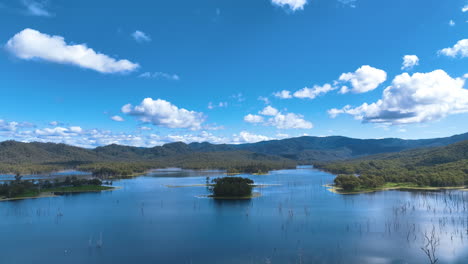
(31, 188)
(232, 187)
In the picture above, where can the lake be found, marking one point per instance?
(296, 220)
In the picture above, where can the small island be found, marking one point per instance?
(232, 188)
(24, 189)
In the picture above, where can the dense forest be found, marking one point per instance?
(435, 167)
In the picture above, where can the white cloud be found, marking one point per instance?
(162, 113)
(285, 94)
(292, 4)
(54, 123)
(289, 121)
(8, 126)
(31, 44)
(36, 8)
(422, 97)
(278, 119)
(160, 75)
(364, 79)
(311, 93)
(58, 131)
(253, 119)
(460, 49)
(117, 118)
(90, 138)
(465, 8)
(409, 61)
(141, 36)
(220, 105)
(269, 111)
(246, 137)
(451, 23)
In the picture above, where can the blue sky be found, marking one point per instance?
(147, 72)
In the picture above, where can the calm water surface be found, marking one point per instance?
(296, 220)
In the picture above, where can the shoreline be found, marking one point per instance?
(332, 188)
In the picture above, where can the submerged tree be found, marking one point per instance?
(430, 247)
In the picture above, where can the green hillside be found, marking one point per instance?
(436, 167)
(275, 154)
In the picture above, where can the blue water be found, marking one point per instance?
(296, 220)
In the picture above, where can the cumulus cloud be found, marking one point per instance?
(289, 121)
(117, 118)
(409, 61)
(285, 94)
(36, 8)
(278, 119)
(246, 137)
(31, 44)
(141, 36)
(451, 23)
(160, 75)
(254, 119)
(364, 79)
(59, 131)
(460, 49)
(162, 113)
(417, 98)
(269, 111)
(465, 9)
(291, 4)
(311, 93)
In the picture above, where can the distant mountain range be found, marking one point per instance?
(304, 150)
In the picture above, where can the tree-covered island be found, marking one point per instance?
(232, 188)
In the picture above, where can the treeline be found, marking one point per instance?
(435, 167)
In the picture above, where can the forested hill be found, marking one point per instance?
(437, 167)
(302, 149)
(310, 149)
